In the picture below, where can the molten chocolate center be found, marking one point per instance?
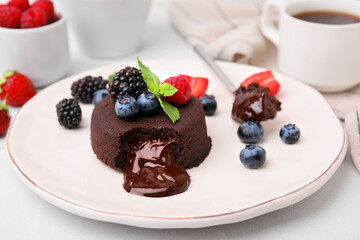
(152, 172)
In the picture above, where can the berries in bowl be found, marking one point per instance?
(34, 40)
(20, 14)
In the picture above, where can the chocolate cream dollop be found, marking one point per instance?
(254, 104)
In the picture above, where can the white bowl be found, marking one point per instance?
(40, 53)
(107, 28)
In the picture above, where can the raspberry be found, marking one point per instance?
(47, 6)
(9, 17)
(54, 19)
(33, 17)
(68, 113)
(20, 4)
(84, 88)
(183, 94)
(127, 80)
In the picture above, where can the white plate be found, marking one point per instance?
(59, 165)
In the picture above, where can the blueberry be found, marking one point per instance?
(290, 133)
(100, 95)
(250, 132)
(148, 103)
(209, 104)
(253, 156)
(126, 107)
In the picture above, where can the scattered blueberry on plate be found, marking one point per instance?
(290, 134)
(100, 95)
(253, 156)
(209, 104)
(126, 107)
(148, 103)
(250, 132)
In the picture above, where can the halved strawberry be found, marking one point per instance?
(198, 85)
(264, 79)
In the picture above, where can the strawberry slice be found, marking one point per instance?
(264, 79)
(198, 85)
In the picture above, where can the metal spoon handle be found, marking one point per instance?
(212, 64)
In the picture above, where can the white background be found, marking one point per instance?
(333, 212)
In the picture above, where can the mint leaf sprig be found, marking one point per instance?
(165, 90)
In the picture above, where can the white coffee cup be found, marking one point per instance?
(107, 28)
(325, 56)
(40, 53)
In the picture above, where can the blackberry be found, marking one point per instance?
(68, 113)
(127, 81)
(84, 88)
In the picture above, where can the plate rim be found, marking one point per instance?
(96, 214)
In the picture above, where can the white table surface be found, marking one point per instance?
(333, 212)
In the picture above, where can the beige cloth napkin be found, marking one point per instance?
(229, 30)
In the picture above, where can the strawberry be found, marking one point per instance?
(4, 118)
(198, 85)
(17, 87)
(183, 87)
(9, 16)
(264, 79)
(20, 4)
(33, 17)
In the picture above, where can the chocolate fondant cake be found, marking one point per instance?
(114, 140)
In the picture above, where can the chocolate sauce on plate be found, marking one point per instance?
(152, 172)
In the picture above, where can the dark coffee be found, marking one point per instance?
(328, 17)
